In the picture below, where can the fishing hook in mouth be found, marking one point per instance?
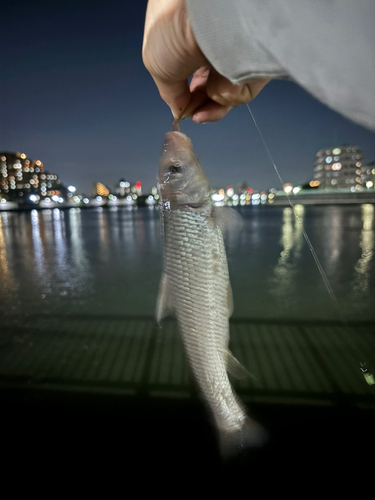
(175, 125)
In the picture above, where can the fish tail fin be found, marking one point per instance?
(240, 443)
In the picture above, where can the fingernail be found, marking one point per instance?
(196, 119)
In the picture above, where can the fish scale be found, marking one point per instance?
(199, 286)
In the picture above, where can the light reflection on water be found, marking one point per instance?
(102, 261)
(363, 266)
(287, 264)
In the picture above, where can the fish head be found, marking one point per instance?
(181, 180)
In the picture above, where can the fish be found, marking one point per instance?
(195, 288)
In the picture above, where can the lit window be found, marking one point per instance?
(336, 151)
(329, 159)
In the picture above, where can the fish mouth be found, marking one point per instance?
(176, 141)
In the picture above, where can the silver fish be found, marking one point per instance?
(195, 288)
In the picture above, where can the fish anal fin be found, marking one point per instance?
(235, 368)
(164, 304)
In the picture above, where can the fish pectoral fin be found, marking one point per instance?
(235, 368)
(228, 221)
(230, 300)
(164, 304)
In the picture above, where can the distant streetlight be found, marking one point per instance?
(72, 189)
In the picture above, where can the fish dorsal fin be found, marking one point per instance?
(164, 305)
(228, 221)
(235, 368)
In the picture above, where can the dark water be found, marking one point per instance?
(100, 261)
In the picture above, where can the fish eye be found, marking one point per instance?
(175, 169)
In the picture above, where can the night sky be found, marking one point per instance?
(75, 95)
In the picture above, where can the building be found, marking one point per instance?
(242, 187)
(100, 189)
(122, 188)
(340, 168)
(22, 178)
(369, 171)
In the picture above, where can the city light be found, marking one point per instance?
(86, 201)
(230, 191)
(101, 189)
(217, 197)
(72, 189)
(369, 184)
(33, 198)
(297, 189)
(288, 188)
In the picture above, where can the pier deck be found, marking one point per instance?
(119, 381)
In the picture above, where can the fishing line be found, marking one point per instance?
(363, 365)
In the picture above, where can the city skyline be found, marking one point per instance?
(77, 96)
(23, 159)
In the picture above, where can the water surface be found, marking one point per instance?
(109, 261)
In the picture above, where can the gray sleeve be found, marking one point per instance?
(326, 46)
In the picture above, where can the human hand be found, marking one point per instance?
(171, 55)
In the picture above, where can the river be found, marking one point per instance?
(109, 261)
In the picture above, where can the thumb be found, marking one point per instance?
(175, 94)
